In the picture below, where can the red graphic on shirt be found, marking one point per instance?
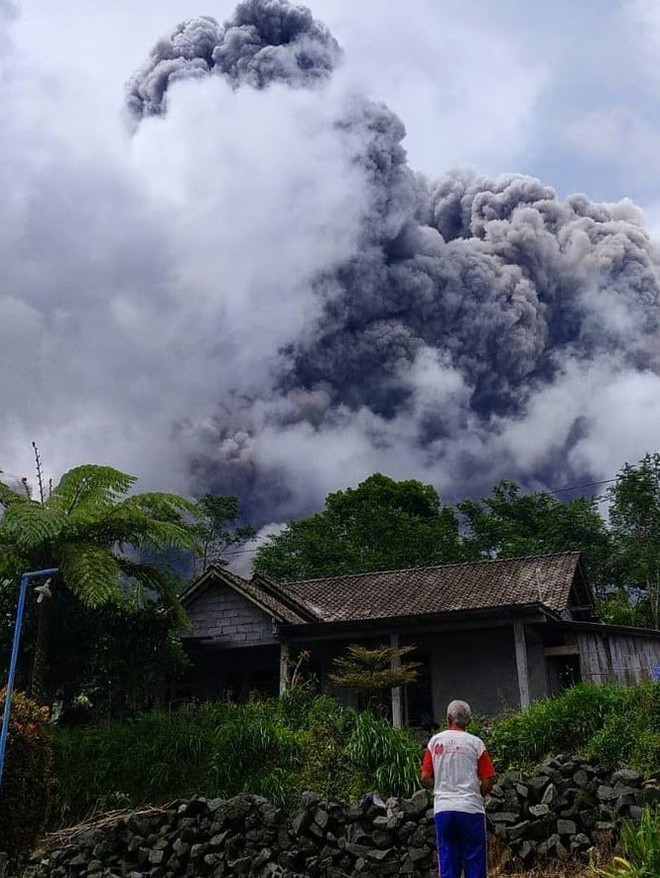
(439, 749)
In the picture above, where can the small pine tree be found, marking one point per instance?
(371, 671)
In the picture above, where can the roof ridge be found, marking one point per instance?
(254, 591)
(274, 589)
(483, 561)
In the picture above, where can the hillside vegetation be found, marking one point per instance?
(305, 741)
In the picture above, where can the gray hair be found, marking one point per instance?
(460, 712)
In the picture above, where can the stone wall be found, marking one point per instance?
(562, 808)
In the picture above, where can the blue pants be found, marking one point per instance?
(461, 844)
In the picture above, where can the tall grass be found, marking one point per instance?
(640, 845)
(156, 757)
(392, 759)
(275, 748)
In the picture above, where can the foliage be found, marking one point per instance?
(509, 524)
(305, 741)
(617, 606)
(296, 703)
(369, 671)
(630, 735)
(218, 529)
(326, 769)
(582, 720)
(380, 525)
(111, 661)
(393, 760)
(91, 530)
(86, 525)
(254, 754)
(27, 782)
(277, 748)
(108, 661)
(635, 522)
(9, 588)
(640, 843)
(156, 757)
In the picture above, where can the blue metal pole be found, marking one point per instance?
(25, 578)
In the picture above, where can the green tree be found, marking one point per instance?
(218, 529)
(90, 528)
(110, 661)
(635, 528)
(509, 523)
(380, 525)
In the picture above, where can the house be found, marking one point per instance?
(498, 633)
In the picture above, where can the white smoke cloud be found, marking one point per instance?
(145, 280)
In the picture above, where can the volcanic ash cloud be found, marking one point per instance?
(469, 330)
(255, 293)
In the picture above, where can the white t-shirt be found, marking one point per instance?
(459, 760)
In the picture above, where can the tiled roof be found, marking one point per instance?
(257, 590)
(279, 608)
(541, 579)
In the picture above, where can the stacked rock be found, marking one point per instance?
(248, 836)
(563, 807)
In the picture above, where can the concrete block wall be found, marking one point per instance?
(230, 620)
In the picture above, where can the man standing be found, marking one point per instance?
(457, 767)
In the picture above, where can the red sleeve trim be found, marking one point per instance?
(427, 763)
(485, 767)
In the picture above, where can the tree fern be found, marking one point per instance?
(93, 532)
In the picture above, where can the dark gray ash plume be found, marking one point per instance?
(464, 302)
(264, 41)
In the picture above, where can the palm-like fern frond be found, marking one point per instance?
(157, 519)
(92, 573)
(163, 506)
(166, 534)
(89, 488)
(30, 525)
(88, 528)
(159, 581)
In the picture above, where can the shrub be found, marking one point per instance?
(27, 780)
(583, 720)
(155, 757)
(111, 661)
(213, 749)
(327, 769)
(297, 704)
(631, 735)
(258, 756)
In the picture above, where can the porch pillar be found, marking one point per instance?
(284, 667)
(397, 692)
(521, 663)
